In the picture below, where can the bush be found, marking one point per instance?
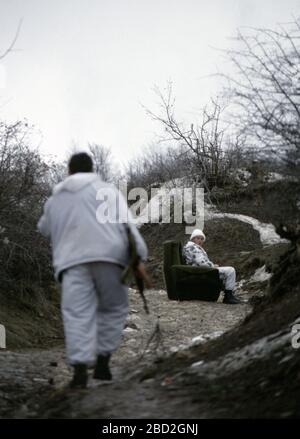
(25, 180)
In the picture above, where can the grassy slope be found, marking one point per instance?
(31, 322)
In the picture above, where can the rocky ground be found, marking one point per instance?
(27, 376)
(190, 360)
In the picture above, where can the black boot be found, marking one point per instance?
(230, 298)
(80, 377)
(102, 371)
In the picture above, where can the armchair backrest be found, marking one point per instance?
(172, 256)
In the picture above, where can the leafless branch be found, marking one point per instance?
(12, 44)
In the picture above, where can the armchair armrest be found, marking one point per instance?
(189, 269)
(188, 273)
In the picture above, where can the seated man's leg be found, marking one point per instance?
(228, 277)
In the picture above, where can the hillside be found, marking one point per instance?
(187, 359)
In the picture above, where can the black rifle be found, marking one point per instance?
(135, 271)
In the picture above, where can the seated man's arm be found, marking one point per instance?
(203, 261)
(195, 257)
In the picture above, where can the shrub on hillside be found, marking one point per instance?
(25, 179)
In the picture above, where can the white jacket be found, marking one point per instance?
(77, 223)
(196, 255)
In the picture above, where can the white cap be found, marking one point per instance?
(197, 232)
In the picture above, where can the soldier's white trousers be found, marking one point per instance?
(228, 276)
(94, 309)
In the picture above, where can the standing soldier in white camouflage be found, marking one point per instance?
(89, 256)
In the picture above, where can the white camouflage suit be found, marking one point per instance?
(89, 256)
(196, 256)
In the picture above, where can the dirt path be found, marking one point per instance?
(34, 382)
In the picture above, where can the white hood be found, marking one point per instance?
(70, 219)
(75, 182)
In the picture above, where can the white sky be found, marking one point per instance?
(82, 68)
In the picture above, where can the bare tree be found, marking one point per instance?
(156, 165)
(103, 162)
(13, 42)
(265, 90)
(57, 172)
(25, 260)
(203, 141)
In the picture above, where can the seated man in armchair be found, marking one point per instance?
(195, 255)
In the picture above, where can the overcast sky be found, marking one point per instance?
(82, 68)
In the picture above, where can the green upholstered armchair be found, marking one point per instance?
(184, 282)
